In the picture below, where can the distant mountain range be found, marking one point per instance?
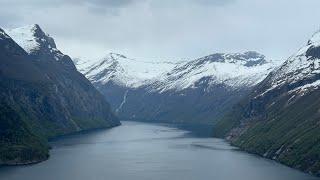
(42, 96)
(197, 91)
(123, 71)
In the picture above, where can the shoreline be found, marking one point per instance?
(274, 160)
(17, 163)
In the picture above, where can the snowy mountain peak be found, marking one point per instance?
(32, 38)
(122, 70)
(36, 42)
(300, 70)
(235, 70)
(113, 58)
(315, 38)
(250, 58)
(116, 55)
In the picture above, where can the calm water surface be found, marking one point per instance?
(140, 151)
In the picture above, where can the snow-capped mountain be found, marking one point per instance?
(301, 71)
(42, 95)
(70, 87)
(233, 70)
(31, 38)
(34, 41)
(123, 71)
(280, 118)
(198, 90)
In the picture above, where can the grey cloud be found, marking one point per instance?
(214, 2)
(168, 28)
(43, 3)
(113, 3)
(21, 9)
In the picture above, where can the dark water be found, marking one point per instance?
(139, 151)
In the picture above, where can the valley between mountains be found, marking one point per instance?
(263, 106)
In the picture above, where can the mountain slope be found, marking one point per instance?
(188, 92)
(43, 92)
(280, 118)
(18, 143)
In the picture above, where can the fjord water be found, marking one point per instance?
(141, 151)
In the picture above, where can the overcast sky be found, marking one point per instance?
(168, 29)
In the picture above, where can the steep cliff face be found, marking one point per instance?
(280, 118)
(18, 142)
(43, 92)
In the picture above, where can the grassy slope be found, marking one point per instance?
(289, 132)
(18, 144)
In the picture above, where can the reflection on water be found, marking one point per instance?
(140, 151)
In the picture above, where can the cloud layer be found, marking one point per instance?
(167, 29)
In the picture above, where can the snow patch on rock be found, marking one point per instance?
(300, 67)
(122, 70)
(33, 40)
(24, 37)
